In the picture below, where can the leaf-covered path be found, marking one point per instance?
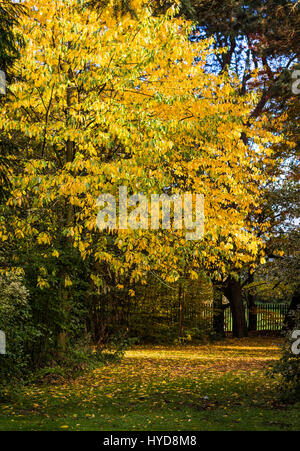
(208, 387)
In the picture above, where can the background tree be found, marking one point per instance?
(10, 14)
(255, 37)
(95, 104)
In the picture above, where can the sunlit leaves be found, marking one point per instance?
(100, 101)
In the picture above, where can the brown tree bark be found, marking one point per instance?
(68, 221)
(218, 312)
(252, 308)
(233, 293)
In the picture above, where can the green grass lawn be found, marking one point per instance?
(209, 387)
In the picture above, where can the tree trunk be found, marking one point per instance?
(234, 296)
(252, 316)
(68, 221)
(61, 342)
(180, 309)
(218, 312)
(252, 308)
(290, 321)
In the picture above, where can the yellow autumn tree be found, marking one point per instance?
(101, 101)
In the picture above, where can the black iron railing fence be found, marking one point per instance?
(269, 317)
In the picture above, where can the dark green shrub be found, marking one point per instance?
(288, 366)
(83, 355)
(16, 323)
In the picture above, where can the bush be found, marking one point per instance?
(16, 323)
(81, 356)
(288, 367)
(194, 335)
